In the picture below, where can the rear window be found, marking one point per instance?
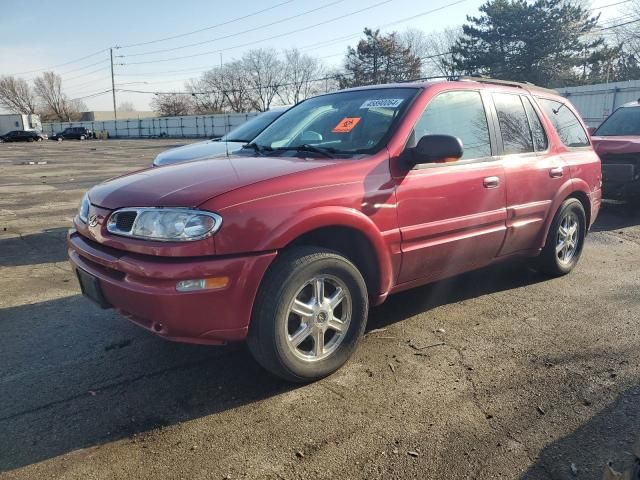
(624, 121)
(565, 122)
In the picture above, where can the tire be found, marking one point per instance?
(30, 140)
(39, 139)
(82, 137)
(59, 139)
(275, 326)
(570, 216)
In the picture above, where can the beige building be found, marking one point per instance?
(106, 115)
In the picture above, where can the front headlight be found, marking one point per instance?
(83, 210)
(164, 224)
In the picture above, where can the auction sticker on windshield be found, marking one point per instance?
(382, 103)
(346, 125)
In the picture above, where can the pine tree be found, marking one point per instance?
(379, 59)
(543, 42)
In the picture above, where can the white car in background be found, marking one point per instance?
(231, 142)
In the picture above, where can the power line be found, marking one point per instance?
(61, 64)
(264, 39)
(92, 95)
(205, 28)
(254, 29)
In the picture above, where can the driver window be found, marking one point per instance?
(460, 114)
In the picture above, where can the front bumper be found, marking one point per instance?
(620, 180)
(142, 287)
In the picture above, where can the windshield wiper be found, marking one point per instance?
(258, 148)
(324, 151)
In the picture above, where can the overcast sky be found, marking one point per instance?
(38, 35)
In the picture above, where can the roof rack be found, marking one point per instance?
(507, 83)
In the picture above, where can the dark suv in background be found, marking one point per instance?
(73, 133)
(617, 141)
(23, 136)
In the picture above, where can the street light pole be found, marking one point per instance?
(113, 87)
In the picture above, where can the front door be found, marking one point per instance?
(452, 215)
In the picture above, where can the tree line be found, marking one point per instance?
(44, 96)
(552, 43)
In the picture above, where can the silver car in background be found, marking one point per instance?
(231, 142)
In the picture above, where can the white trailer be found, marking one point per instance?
(19, 121)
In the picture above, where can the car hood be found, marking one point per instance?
(613, 145)
(196, 151)
(192, 183)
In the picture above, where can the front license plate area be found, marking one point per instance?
(91, 288)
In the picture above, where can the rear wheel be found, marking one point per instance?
(30, 139)
(309, 314)
(82, 137)
(565, 239)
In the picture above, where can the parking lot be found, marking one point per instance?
(500, 373)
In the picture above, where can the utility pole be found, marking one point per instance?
(113, 87)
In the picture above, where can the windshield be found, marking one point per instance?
(350, 122)
(624, 121)
(249, 129)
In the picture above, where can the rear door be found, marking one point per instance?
(452, 215)
(534, 174)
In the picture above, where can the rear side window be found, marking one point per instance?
(565, 122)
(537, 131)
(514, 124)
(460, 114)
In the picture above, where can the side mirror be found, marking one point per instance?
(311, 137)
(437, 149)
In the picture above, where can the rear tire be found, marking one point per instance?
(30, 140)
(82, 137)
(294, 335)
(565, 239)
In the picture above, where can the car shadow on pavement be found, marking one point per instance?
(74, 376)
(614, 215)
(501, 276)
(47, 246)
(608, 436)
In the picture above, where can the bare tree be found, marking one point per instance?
(126, 107)
(264, 73)
(172, 104)
(438, 57)
(16, 95)
(208, 92)
(301, 75)
(234, 85)
(55, 102)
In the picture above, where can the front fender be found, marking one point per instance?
(321, 217)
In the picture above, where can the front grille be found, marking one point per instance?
(124, 221)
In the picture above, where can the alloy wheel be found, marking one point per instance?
(318, 318)
(567, 238)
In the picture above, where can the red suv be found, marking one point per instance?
(346, 198)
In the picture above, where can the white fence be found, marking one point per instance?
(596, 102)
(208, 126)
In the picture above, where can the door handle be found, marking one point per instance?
(491, 182)
(556, 172)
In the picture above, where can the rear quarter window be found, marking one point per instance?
(565, 122)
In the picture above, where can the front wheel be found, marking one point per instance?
(565, 239)
(309, 315)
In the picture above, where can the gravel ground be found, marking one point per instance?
(499, 373)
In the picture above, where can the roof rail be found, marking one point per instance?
(508, 83)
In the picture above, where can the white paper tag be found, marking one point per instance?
(382, 103)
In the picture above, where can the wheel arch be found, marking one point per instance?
(571, 189)
(345, 231)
